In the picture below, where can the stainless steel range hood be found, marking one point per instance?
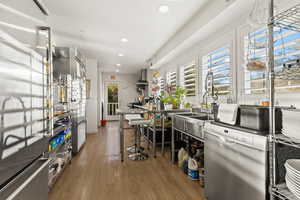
(142, 82)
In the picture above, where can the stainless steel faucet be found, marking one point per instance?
(211, 92)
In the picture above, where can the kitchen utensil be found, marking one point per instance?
(227, 113)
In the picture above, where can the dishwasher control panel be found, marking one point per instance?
(237, 136)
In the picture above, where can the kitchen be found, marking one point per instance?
(167, 99)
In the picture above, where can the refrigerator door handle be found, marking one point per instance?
(83, 121)
(27, 182)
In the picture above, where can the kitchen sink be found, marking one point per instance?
(191, 123)
(202, 118)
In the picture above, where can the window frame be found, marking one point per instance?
(228, 39)
(243, 32)
(170, 81)
(183, 77)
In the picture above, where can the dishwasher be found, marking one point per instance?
(235, 163)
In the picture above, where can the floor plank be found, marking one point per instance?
(96, 173)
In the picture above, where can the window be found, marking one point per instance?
(219, 63)
(161, 83)
(172, 81)
(188, 80)
(287, 50)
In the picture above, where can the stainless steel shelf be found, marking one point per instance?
(59, 117)
(190, 135)
(282, 192)
(158, 128)
(289, 19)
(61, 128)
(282, 139)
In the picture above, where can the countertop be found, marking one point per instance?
(165, 111)
(130, 111)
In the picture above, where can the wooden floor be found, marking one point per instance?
(97, 174)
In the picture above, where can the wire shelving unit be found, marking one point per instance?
(289, 20)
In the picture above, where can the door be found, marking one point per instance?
(218, 176)
(112, 101)
(248, 164)
(231, 164)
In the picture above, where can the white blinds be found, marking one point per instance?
(219, 62)
(161, 83)
(189, 79)
(172, 81)
(287, 48)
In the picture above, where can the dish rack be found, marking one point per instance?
(289, 20)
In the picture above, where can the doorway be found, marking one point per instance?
(112, 101)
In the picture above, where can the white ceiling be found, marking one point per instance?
(97, 26)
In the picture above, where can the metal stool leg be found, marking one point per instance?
(163, 136)
(148, 138)
(140, 155)
(133, 148)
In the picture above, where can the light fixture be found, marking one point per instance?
(124, 40)
(118, 65)
(121, 55)
(117, 70)
(163, 9)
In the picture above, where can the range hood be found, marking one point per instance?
(142, 82)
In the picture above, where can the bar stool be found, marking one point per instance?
(129, 117)
(137, 123)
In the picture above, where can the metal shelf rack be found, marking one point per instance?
(290, 20)
(282, 139)
(282, 192)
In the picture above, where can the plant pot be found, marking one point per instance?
(103, 122)
(174, 106)
(168, 106)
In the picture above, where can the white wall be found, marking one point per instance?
(100, 93)
(92, 102)
(127, 90)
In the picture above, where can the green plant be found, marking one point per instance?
(180, 92)
(165, 98)
(187, 105)
(175, 100)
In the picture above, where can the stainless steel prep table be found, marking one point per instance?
(163, 113)
(143, 110)
(186, 131)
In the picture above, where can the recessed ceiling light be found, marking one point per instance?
(163, 8)
(121, 55)
(124, 40)
(117, 70)
(118, 65)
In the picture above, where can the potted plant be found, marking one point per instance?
(167, 100)
(173, 101)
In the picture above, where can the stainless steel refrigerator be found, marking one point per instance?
(69, 61)
(24, 127)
